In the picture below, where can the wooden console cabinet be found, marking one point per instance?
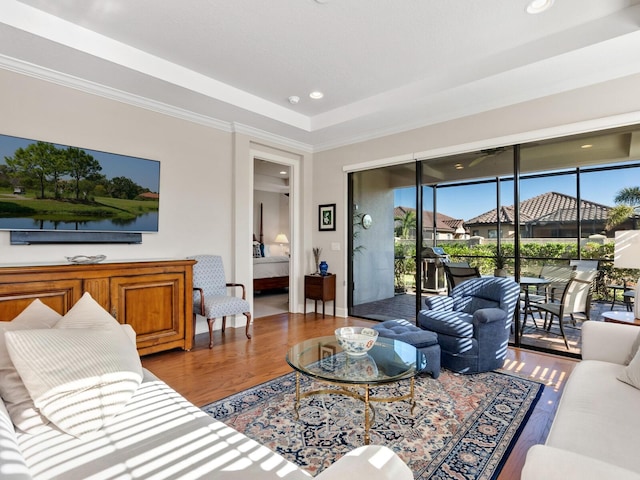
(154, 297)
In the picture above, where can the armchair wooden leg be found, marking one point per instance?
(248, 315)
(210, 322)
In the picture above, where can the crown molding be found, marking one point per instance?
(271, 137)
(93, 88)
(41, 73)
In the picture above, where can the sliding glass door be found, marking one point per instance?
(553, 203)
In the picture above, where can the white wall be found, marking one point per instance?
(195, 161)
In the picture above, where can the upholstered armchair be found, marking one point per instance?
(210, 296)
(473, 323)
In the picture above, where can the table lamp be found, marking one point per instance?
(627, 255)
(281, 238)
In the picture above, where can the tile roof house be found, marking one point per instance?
(446, 227)
(551, 214)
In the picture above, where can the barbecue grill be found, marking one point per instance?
(433, 259)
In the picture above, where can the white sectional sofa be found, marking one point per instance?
(155, 433)
(596, 431)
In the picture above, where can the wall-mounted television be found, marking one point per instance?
(48, 187)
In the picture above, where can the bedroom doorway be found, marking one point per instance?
(272, 234)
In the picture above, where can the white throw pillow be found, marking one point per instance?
(77, 377)
(22, 411)
(631, 373)
(634, 350)
(87, 313)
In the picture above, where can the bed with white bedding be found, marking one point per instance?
(270, 272)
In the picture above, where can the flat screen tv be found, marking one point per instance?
(49, 187)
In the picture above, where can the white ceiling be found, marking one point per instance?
(383, 65)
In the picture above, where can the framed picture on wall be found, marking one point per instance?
(327, 217)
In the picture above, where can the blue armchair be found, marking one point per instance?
(473, 323)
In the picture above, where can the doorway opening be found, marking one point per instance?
(271, 237)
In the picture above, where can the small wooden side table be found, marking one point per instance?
(320, 287)
(621, 317)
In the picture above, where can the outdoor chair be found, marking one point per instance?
(575, 299)
(558, 276)
(584, 264)
(457, 273)
(210, 296)
(473, 323)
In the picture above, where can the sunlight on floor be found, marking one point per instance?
(550, 377)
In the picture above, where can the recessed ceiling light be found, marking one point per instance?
(539, 6)
(458, 166)
(317, 95)
(283, 173)
(293, 99)
(586, 145)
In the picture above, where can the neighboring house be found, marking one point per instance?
(550, 215)
(447, 228)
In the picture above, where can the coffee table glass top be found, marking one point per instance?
(387, 361)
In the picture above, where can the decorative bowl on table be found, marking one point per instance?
(86, 259)
(356, 341)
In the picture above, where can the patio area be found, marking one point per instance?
(404, 306)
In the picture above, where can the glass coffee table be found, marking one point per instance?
(388, 361)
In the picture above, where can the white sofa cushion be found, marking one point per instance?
(549, 463)
(595, 415)
(19, 404)
(158, 435)
(77, 378)
(12, 464)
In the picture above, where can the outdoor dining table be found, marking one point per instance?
(525, 284)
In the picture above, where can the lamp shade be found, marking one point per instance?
(627, 255)
(281, 238)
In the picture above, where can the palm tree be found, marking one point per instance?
(627, 205)
(628, 196)
(407, 222)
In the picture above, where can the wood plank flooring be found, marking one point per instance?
(235, 363)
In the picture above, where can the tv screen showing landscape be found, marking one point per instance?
(47, 187)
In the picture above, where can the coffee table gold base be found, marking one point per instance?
(352, 392)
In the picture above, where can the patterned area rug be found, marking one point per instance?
(463, 426)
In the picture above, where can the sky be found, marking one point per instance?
(469, 202)
(145, 173)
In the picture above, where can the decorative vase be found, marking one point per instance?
(500, 272)
(324, 268)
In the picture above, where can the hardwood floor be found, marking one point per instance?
(204, 375)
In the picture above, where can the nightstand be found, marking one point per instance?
(320, 287)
